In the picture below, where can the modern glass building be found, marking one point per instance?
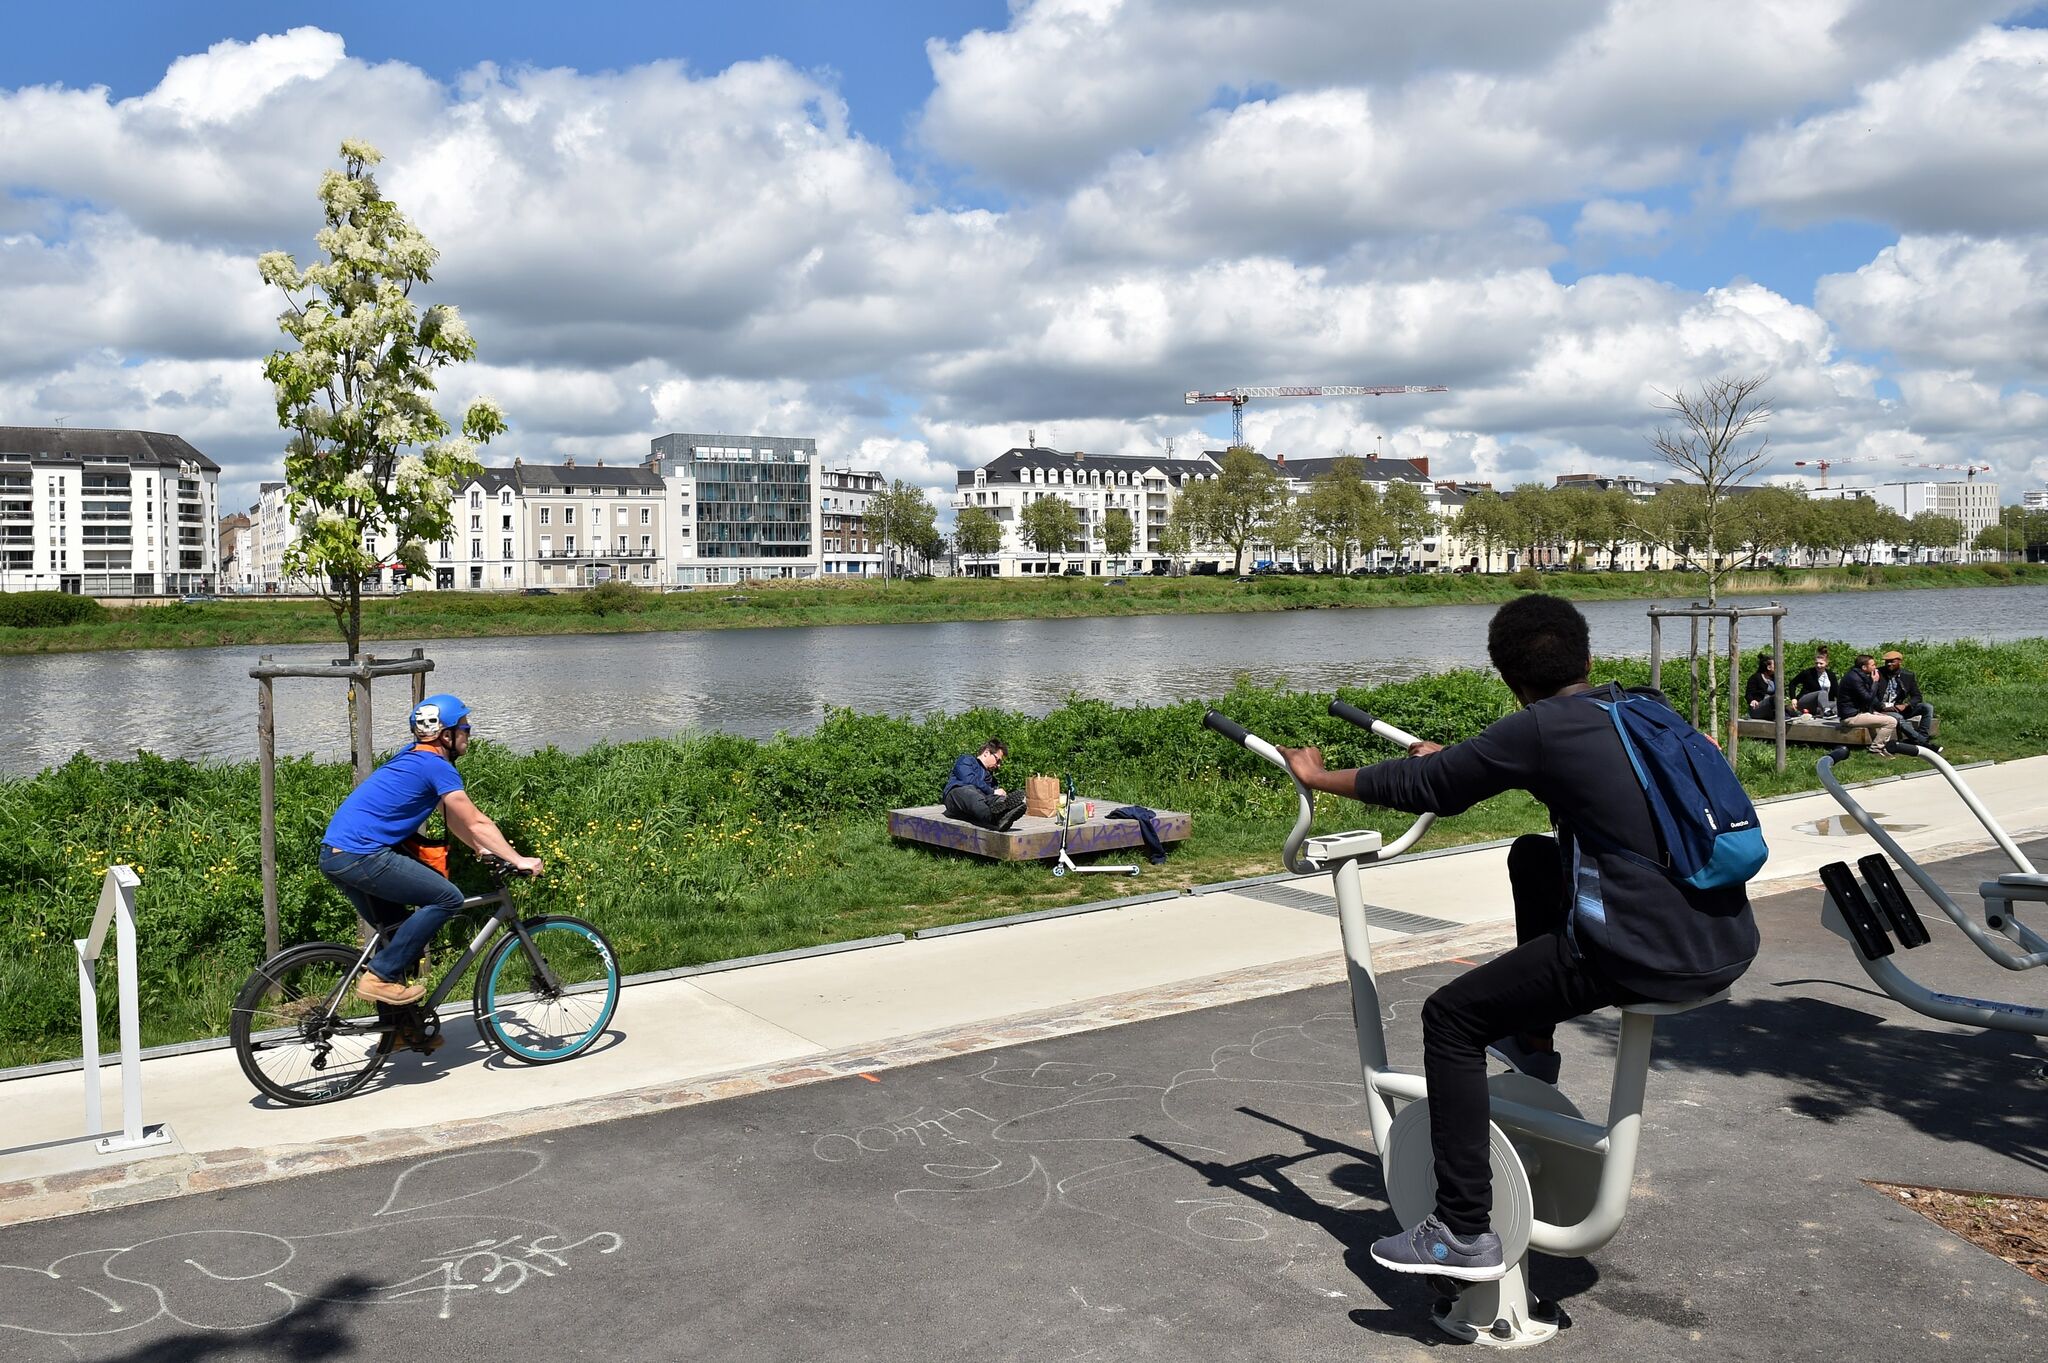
(750, 502)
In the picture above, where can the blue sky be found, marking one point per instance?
(1059, 216)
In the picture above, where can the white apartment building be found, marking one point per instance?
(2036, 500)
(237, 553)
(106, 513)
(1974, 502)
(1144, 486)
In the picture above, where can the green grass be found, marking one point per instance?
(453, 615)
(715, 847)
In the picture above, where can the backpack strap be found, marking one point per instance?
(1603, 844)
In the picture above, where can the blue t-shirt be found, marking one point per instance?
(390, 806)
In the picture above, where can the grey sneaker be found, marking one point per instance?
(1432, 1249)
(1543, 1065)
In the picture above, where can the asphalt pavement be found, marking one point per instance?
(1197, 1186)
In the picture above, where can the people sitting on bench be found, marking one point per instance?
(1899, 694)
(1813, 690)
(1761, 693)
(971, 796)
(1859, 705)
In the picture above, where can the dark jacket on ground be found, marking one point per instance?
(1858, 694)
(968, 771)
(1639, 927)
(1908, 686)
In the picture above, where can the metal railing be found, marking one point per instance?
(117, 907)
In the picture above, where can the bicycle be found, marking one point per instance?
(545, 991)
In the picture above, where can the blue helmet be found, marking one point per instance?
(435, 714)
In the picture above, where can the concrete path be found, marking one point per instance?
(684, 1041)
(1194, 1186)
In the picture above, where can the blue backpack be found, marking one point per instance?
(1704, 819)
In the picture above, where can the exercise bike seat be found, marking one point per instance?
(1665, 1010)
(2024, 880)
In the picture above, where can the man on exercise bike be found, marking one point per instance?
(360, 850)
(1597, 923)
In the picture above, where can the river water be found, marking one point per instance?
(576, 690)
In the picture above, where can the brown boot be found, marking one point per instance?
(377, 990)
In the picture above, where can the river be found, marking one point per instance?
(576, 690)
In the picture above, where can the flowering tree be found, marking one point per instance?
(370, 460)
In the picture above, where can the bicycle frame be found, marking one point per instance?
(503, 918)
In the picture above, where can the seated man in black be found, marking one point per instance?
(1761, 693)
(1597, 924)
(972, 796)
(1813, 690)
(1898, 693)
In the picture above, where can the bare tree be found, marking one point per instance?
(1715, 438)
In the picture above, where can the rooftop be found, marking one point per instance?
(74, 445)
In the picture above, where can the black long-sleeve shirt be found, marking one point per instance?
(1645, 930)
(1859, 693)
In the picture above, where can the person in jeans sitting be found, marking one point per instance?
(1898, 691)
(971, 795)
(1813, 690)
(1598, 923)
(1859, 705)
(359, 851)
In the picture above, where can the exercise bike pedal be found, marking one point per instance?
(1891, 898)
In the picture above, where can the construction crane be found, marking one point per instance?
(1825, 464)
(1969, 471)
(1237, 397)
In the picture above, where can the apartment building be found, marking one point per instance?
(237, 552)
(106, 512)
(1143, 486)
(743, 507)
(579, 525)
(1973, 502)
(846, 547)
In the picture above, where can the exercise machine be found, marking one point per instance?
(1870, 928)
(1560, 1182)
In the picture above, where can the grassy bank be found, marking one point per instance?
(716, 847)
(454, 615)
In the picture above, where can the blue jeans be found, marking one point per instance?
(383, 886)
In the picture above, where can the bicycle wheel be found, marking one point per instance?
(539, 1021)
(301, 1038)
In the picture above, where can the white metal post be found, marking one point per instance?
(89, 1032)
(117, 907)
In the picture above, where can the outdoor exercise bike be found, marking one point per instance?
(1560, 1182)
(1847, 913)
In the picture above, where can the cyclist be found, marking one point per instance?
(360, 850)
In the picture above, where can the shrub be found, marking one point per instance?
(613, 597)
(45, 610)
(1526, 580)
(1998, 572)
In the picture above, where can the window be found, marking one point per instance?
(622, 544)
(646, 515)
(476, 548)
(505, 549)
(507, 573)
(504, 522)
(476, 522)
(568, 544)
(505, 499)
(447, 548)
(547, 545)
(622, 515)
(568, 515)
(646, 544)
(544, 515)
(476, 498)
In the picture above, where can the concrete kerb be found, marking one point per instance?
(74, 1192)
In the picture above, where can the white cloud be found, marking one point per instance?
(1958, 143)
(661, 249)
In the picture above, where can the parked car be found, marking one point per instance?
(537, 591)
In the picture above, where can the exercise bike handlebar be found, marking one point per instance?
(1290, 852)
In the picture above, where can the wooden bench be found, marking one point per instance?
(1032, 838)
(1824, 732)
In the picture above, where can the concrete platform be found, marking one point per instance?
(1823, 732)
(1033, 837)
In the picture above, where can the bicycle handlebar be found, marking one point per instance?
(1290, 852)
(501, 869)
(1351, 714)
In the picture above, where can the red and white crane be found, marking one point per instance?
(1237, 397)
(1969, 471)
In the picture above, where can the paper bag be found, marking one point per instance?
(1041, 796)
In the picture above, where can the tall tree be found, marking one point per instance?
(1050, 525)
(1119, 533)
(1240, 502)
(903, 517)
(370, 459)
(1488, 521)
(1330, 510)
(1408, 519)
(1932, 530)
(1714, 437)
(977, 533)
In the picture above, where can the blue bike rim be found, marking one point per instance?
(569, 1046)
